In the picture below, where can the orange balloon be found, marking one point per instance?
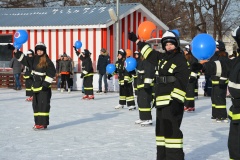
(146, 30)
(128, 52)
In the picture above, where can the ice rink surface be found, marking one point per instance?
(94, 130)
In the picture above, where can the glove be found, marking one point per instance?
(75, 48)
(132, 37)
(82, 75)
(109, 76)
(191, 79)
(44, 88)
(196, 67)
(11, 47)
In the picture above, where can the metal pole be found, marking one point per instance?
(117, 30)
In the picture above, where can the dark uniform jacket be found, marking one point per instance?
(229, 68)
(120, 69)
(87, 69)
(65, 66)
(145, 73)
(171, 75)
(215, 79)
(41, 76)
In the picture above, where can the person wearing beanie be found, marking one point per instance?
(103, 61)
(28, 77)
(145, 76)
(171, 77)
(65, 70)
(125, 83)
(87, 73)
(43, 73)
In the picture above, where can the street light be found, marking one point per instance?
(114, 17)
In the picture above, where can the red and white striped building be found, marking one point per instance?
(60, 27)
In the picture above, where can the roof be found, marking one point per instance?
(93, 16)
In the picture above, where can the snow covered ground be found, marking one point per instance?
(94, 130)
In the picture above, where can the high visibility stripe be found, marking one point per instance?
(48, 79)
(234, 116)
(148, 80)
(233, 85)
(213, 105)
(175, 95)
(36, 89)
(145, 55)
(220, 106)
(85, 72)
(174, 145)
(88, 88)
(160, 141)
(141, 71)
(26, 77)
(144, 109)
(38, 73)
(223, 78)
(215, 82)
(173, 140)
(189, 99)
(193, 74)
(21, 57)
(28, 89)
(41, 114)
(161, 103)
(122, 97)
(218, 68)
(140, 86)
(166, 97)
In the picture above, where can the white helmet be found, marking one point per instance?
(171, 37)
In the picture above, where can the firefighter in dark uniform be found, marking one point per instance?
(145, 76)
(228, 68)
(43, 72)
(192, 87)
(135, 77)
(28, 78)
(87, 73)
(171, 78)
(219, 87)
(125, 83)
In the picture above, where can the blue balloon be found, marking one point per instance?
(110, 68)
(17, 45)
(78, 44)
(176, 32)
(21, 36)
(203, 46)
(130, 64)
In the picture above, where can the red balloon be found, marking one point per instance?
(146, 30)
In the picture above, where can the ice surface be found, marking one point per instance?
(94, 130)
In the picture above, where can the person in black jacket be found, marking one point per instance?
(219, 87)
(229, 68)
(87, 73)
(171, 76)
(192, 87)
(103, 61)
(28, 78)
(43, 73)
